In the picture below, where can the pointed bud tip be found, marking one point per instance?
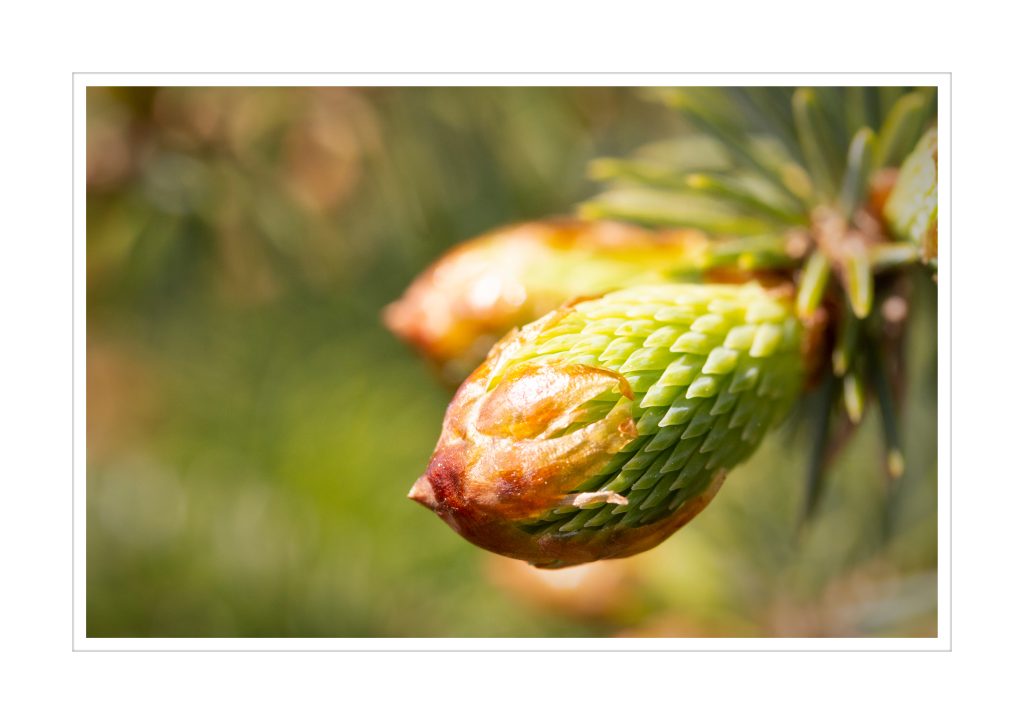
(423, 493)
(396, 317)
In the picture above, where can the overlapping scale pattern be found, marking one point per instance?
(711, 367)
(600, 429)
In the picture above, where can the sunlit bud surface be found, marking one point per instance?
(600, 429)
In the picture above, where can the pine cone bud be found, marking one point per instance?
(465, 302)
(600, 429)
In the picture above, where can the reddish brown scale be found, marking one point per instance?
(817, 343)
(879, 189)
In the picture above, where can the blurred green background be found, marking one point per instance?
(253, 429)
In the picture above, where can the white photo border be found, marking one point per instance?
(942, 642)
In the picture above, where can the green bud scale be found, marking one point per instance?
(600, 429)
